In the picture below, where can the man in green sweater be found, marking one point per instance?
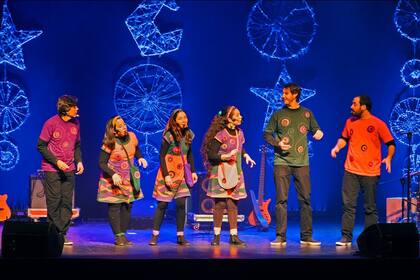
(287, 132)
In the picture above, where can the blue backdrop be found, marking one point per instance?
(85, 47)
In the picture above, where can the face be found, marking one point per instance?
(356, 108)
(288, 97)
(236, 118)
(72, 112)
(182, 119)
(120, 128)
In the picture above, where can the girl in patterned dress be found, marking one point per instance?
(223, 142)
(115, 187)
(170, 183)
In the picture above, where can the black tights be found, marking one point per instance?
(119, 216)
(180, 214)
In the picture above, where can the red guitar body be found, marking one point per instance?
(252, 220)
(5, 212)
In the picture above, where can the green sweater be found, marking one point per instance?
(293, 125)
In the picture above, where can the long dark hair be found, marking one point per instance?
(219, 122)
(175, 130)
(109, 137)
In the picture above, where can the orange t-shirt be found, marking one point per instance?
(364, 152)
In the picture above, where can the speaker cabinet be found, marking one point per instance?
(37, 200)
(28, 239)
(389, 240)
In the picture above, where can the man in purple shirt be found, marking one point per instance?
(59, 145)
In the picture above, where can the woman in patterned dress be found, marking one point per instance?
(115, 187)
(223, 142)
(170, 182)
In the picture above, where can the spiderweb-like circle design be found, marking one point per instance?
(145, 96)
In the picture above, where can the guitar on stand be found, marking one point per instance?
(260, 216)
(5, 212)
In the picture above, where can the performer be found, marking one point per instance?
(59, 145)
(175, 152)
(287, 132)
(119, 148)
(223, 143)
(364, 133)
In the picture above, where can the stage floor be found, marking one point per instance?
(94, 252)
(95, 240)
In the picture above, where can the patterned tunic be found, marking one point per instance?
(229, 143)
(175, 167)
(107, 191)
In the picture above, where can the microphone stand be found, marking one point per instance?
(409, 135)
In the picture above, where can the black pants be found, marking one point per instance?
(302, 184)
(180, 214)
(59, 197)
(119, 215)
(352, 185)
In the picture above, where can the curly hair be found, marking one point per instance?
(218, 123)
(176, 130)
(109, 137)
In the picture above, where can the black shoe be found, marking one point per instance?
(181, 241)
(310, 241)
(344, 241)
(67, 242)
(216, 240)
(119, 240)
(279, 241)
(153, 241)
(126, 241)
(234, 240)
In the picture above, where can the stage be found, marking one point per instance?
(94, 250)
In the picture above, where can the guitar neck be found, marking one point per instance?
(261, 182)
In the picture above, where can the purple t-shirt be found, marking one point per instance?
(61, 137)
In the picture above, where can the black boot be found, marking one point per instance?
(216, 240)
(234, 240)
(181, 241)
(153, 241)
(126, 241)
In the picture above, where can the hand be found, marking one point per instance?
(143, 162)
(318, 135)
(116, 178)
(62, 165)
(229, 155)
(80, 168)
(387, 162)
(249, 160)
(194, 177)
(283, 145)
(168, 181)
(334, 151)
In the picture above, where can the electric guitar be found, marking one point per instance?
(5, 212)
(260, 215)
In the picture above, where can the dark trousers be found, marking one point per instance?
(180, 214)
(119, 215)
(302, 184)
(59, 197)
(352, 185)
(232, 210)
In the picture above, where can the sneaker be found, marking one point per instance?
(234, 240)
(343, 242)
(279, 241)
(180, 239)
(153, 241)
(216, 240)
(310, 241)
(67, 242)
(119, 240)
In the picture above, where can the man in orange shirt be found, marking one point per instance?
(364, 133)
